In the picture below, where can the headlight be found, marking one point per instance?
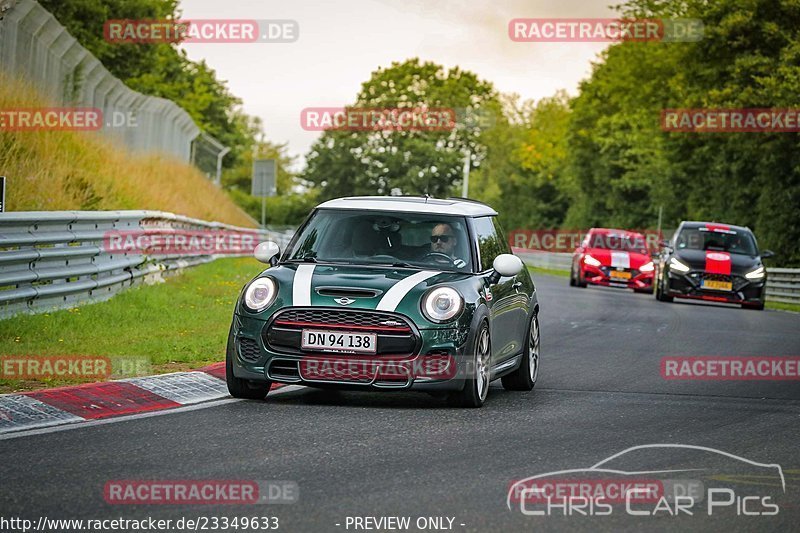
(677, 265)
(755, 274)
(589, 260)
(260, 294)
(442, 304)
(647, 267)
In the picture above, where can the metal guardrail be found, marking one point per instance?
(56, 259)
(783, 284)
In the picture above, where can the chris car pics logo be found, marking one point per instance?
(700, 481)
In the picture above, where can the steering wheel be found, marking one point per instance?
(438, 257)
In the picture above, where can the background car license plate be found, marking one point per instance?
(620, 274)
(718, 285)
(339, 341)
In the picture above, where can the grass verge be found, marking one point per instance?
(549, 271)
(177, 325)
(780, 306)
(65, 170)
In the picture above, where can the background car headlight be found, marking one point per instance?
(647, 267)
(677, 265)
(260, 294)
(442, 304)
(589, 260)
(755, 274)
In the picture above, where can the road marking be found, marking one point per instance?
(80, 425)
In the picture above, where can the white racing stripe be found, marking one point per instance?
(620, 260)
(394, 296)
(301, 287)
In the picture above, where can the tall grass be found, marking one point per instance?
(58, 170)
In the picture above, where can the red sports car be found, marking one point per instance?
(614, 258)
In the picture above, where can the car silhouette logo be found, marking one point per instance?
(344, 301)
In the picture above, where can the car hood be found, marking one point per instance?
(620, 259)
(718, 262)
(356, 287)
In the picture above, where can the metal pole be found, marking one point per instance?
(660, 210)
(218, 181)
(263, 212)
(2, 194)
(465, 188)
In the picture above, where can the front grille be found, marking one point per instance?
(396, 335)
(738, 282)
(248, 349)
(344, 319)
(708, 276)
(284, 370)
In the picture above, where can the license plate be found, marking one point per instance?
(619, 274)
(339, 342)
(717, 285)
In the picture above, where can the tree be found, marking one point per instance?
(409, 161)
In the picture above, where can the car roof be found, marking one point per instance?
(412, 204)
(696, 224)
(612, 231)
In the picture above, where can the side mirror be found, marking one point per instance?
(505, 265)
(766, 254)
(266, 252)
(664, 244)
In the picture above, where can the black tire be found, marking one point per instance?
(476, 388)
(755, 307)
(578, 282)
(572, 282)
(242, 388)
(644, 291)
(660, 296)
(524, 377)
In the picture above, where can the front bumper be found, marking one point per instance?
(439, 361)
(604, 276)
(689, 285)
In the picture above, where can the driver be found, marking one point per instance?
(443, 241)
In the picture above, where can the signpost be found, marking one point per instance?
(264, 173)
(2, 194)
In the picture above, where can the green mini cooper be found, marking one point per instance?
(388, 293)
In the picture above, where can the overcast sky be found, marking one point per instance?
(342, 41)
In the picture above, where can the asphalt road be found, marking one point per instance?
(399, 454)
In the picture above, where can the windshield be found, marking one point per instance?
(616, 241)
(723, 241)
(384, 238)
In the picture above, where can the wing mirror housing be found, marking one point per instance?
(766, 254)
(267, 252)
(505, 266)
